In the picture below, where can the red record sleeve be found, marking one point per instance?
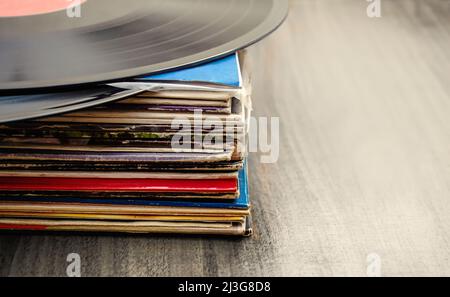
(37, 184)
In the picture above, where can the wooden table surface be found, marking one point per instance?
(364, 166)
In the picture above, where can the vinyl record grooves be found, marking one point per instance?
(116, 39)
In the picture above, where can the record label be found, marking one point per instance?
(19, 8)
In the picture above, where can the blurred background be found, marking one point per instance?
(364, 104)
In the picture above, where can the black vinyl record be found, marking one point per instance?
(108, 40)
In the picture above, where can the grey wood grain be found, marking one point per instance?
(364, 105)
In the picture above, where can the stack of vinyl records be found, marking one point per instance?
(164, 161)
(127, 116)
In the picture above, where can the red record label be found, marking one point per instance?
(16, 8)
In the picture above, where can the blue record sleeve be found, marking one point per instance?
(242, 202)
(224, 71)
